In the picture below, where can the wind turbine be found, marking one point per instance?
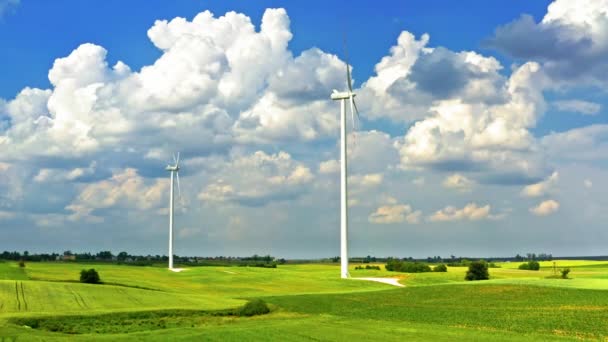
(174, 170)
(342, 97)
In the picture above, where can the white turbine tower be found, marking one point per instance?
(342, 97)
(174, 170)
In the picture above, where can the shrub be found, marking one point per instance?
(440, 268)
(478, 270)
(461, 263)
(565, 272)
(367, 267)
(254, 307)
(21, 263)
(530, 265)
(406, 266)
(89, 276)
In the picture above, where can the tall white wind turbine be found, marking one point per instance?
(343, 97)
(174, 170)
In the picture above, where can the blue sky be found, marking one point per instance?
(479, 124)
(36, 32)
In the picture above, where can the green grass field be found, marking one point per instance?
(45, 302)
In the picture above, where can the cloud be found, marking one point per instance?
(569, 41)
(541, 188)
(257, 179)
(414, 76)
(577, 106)
(329, 166)
(6, 215)
(367, 180)
(495, 138)
(471, 212)
(458, 182)
(6, 6)
(589, 143)
(125, 189)
(545, 208)
(59, 175)
(395, 213)
(371, 152)
(218, 82)
(50, 220)
(588, 183)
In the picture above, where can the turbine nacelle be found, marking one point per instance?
(344, 95)
(172, 168)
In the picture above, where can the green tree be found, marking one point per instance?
(105, 255)
(530, 265)
(440, 268)
(89, 276)
(122, 256)
(478, 270)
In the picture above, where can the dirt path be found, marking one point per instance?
(390, 281)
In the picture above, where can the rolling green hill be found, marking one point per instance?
(44, 301)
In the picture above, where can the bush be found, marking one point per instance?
(440, 268)
(368, 267)
(530, 265)
(22, 264)
(478, 270)
(406, 266)
(254, 307)
(565, 272)
(461, 263)
(89, 276)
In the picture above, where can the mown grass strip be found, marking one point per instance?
(23, 296)
(17, 296)
(127, 322)
(101, 283)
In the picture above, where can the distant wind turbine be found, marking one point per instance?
(174, 169)
(342, 97)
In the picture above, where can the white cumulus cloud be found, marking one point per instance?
(458, 182)
(545, 208)
(395, 213)
(578, 106)
(541, 188)
(256, 179)
(470, 212)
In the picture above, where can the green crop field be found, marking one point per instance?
(45, 302)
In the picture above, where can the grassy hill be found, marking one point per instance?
(45, 302)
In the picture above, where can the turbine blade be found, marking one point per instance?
(352, 117)
(177, 161)
(352, 110)
(348, 76)
(174, 160)
(350, 80)
(357, 111)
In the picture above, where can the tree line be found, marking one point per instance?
(143, 260)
